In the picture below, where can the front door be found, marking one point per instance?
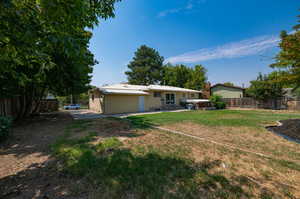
(141, 103)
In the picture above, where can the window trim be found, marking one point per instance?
(167, 101)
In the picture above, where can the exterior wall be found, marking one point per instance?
(114, 104)
(227, 92)
(121, 104)
(96, 104)
(151, 102)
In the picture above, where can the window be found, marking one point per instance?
(93, 97)
(157, 94)
(170, 98)
(183, 95)
(192, 95)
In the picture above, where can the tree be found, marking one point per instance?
(228, 84)
(146, 67)
(197, 79)
(185, 77)
(266, 87)
(177, 75)
(44, 47)
(288, 58)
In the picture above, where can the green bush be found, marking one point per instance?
(216, 100)
(5, 127)
(220, 105)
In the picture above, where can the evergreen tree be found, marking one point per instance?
(146, 67)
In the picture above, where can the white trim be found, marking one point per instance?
(174, 98)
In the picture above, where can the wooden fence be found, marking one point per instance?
(11, 106)
(279, 103)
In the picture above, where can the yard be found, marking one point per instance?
(127, 158)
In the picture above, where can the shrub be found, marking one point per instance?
(216, 100)
(5, 127)
(220, 105)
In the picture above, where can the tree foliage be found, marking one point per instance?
(266, 87)
(185, 77)
(288, 58)
(146, 67)
(229, 84)
(44, 47)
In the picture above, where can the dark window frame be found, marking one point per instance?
(170, 99)
(156, 94)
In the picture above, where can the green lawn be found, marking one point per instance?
(215, 118)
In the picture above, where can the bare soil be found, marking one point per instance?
(27, 169)
(289, 128)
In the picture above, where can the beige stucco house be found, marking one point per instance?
(227, 91)
(126, 98)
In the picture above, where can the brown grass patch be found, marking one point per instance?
(254, 139)
(256, 175)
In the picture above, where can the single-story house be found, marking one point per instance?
(226, 91)
(126, 98)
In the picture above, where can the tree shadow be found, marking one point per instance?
(140, 122)
(82, 169)
(119, 173)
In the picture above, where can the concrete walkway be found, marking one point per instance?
(89, 114)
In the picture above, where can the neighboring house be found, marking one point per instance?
(227, 91)
(125, 98)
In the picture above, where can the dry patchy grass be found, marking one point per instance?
(147, 163)
(256, 139)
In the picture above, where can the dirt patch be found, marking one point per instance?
(26, 167)
(289, 129)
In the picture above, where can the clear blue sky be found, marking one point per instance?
(233, 39)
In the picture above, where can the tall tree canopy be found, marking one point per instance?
(266, 86)
(146, 67)
(185, 77)
(229, 84)
(44, 46)
(288, 58)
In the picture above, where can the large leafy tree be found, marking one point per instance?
(146, 67)
(184, 76)
(228, 84)
(288, 58)
(266, 87)
(198, 78)
(177, 75)
(44, 47)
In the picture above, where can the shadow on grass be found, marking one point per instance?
(110, 170)
(142, 172)
(146, 172)
(140, 122)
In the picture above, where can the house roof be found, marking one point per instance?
(125, 87)
(171, 88)
(140, 89)
(237, 87)
(126, 92)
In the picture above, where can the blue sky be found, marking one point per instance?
(232, 39)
